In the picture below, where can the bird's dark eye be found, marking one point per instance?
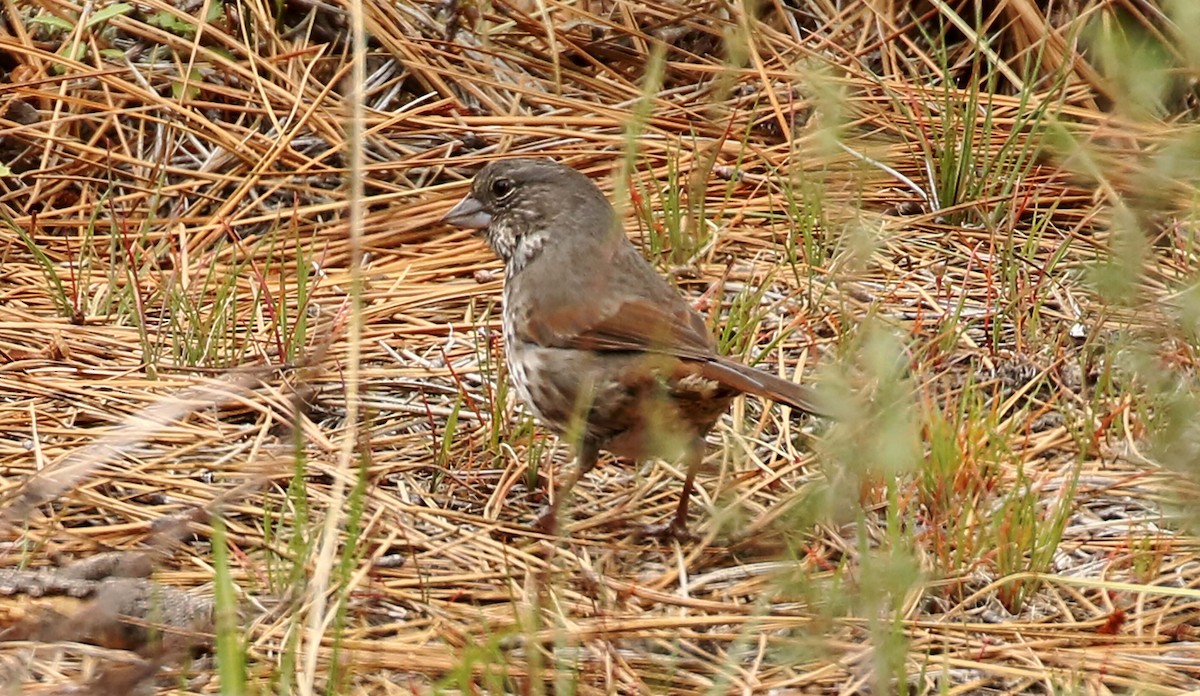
(502, 188)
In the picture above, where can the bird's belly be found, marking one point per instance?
(519, 370)
(546, 381)
(622, 402)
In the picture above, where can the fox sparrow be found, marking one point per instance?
(600, 346)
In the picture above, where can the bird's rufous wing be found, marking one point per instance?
(632, 324)
(638, 325)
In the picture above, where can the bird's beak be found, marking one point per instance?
(469, 213)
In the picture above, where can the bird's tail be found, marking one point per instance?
(763, 384)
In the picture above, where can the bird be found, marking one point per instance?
(602, 348)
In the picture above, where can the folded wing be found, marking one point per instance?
(676, 330)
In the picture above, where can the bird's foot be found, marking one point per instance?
(675, 530)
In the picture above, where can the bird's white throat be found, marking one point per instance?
(522, 250)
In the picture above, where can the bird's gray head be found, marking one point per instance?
(524, 205)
